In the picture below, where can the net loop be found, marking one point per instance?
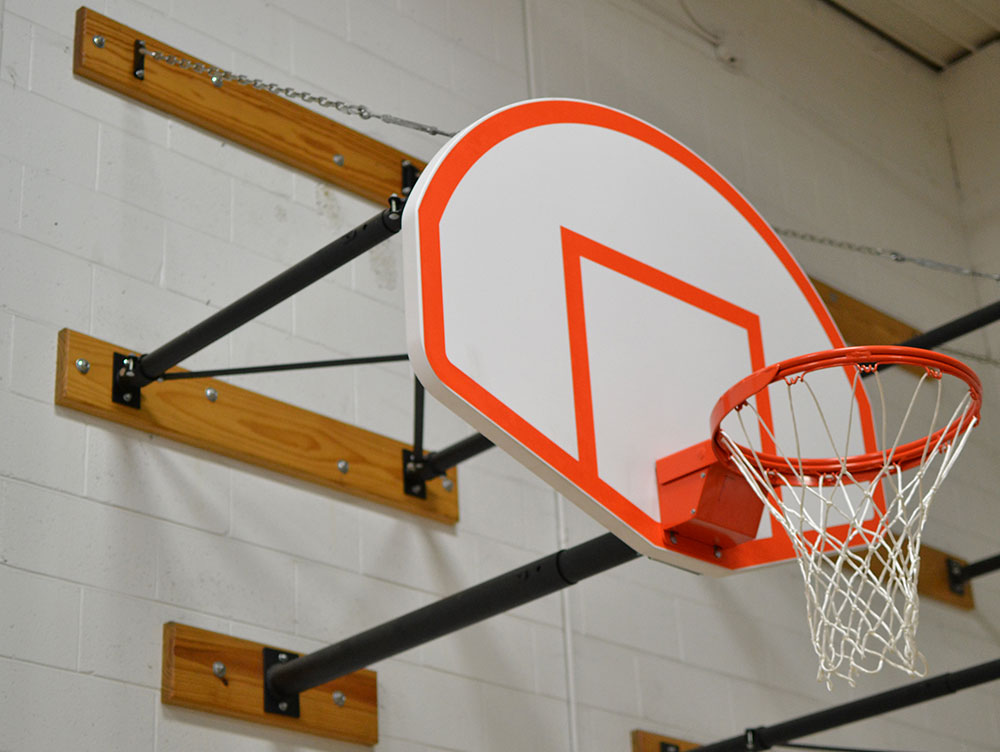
(854, 520)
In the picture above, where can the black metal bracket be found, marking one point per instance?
(139, 59)
(414, 483)
(410, 175)
(956, 576)
(123, 391)
(753, 741)
(287, 705)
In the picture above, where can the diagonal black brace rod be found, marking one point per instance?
(517, 587)
(176, 375)
(152, 365)
(438, 463)
(766, 737)
(962, 325)
(959, 574)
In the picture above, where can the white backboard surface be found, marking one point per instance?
(582, 288)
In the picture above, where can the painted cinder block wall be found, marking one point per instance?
(120, 222)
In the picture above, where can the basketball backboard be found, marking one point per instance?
(582, 288)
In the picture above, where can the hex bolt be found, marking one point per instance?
(343, 466)
(282, 706)
(282, 657)
(82, 365)
(339, 698)
(127, 397)
(718, 552)
(415, 489)
(219, 669)
(140, 74)
(217, 81)
(211, 395)
(98, 41)
(447, 484)
(338, 159)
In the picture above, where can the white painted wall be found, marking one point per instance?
(117, 221)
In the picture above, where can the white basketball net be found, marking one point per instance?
(860, 576)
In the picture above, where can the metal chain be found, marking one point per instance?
(886, 253)
(219, 75)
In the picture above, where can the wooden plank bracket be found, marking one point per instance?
(647, 741)
(216, 673)
(252, 428)
(104, 52)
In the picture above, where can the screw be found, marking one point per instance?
(673, 537)
(211, 395)
(447, 484)
(82, 365)
(282, 657)
(98, 41)
(127, 397)
(343, 466)
(282, 706)
(703, 475)
(219, 669)
(415, 489)
(718, 552)
(217, 80)
(339, 698)
(140, 74)
(338, 159)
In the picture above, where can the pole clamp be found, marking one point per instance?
(287, 705)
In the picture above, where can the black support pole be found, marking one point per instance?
(766, 737)
(479, 602)
(437, 463)
(312, 268)
(968, 323)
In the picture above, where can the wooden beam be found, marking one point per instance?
(189, 681)
(647, 741)
(933, 579)
(257, 119)
(249, 427)
(859, 323)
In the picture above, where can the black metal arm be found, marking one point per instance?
(517, 587)
(766, 737)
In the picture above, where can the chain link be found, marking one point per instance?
(219, 75)
(886, 253)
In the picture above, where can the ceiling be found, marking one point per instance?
(936, 32)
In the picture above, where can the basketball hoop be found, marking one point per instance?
(855, 520)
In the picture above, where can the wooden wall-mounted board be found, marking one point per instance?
(647, 741)
(859, 323)
(249, 427)
(933, 579)
(188, 681)
(257, 119)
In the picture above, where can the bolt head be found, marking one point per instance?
(343, 466)
(211, 395)
(282, 657)
(673, 537)
(82, 365)
(217, 81)
(447, 484)
(140, 74)
(415, 489)
(339, 698)
(718, 552)
(127, 397)
(98, 41)
(338, 159)
(282, 706)
(219, 669)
